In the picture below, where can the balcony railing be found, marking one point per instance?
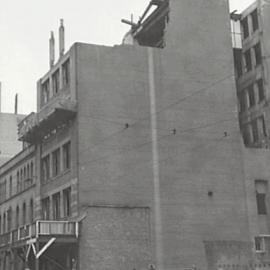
(38, 229)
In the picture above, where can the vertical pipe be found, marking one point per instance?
(155, 156)
(52, 49)
(61, 38)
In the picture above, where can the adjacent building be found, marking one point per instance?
(9, 144)
(134, 159)
(252, 73)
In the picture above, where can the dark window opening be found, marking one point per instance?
(10, 186)
(237, 53)
(246, 135)
(45, 92)
(56, 82)
(45, 168)
(31, 211)
(9, 219)
(261, 127)
(255, 20)
(258, 54)
(46, 208)
(17, 220)
(261, 204)
(248, 62)
(251, 95)
(255, 132)
(56, 162)
(66, 156)
(261, 90)
(56, 206)
(67, 202)
(66, 73)
(259, 244)
(245, 27)
(242, 101)
(24, 214)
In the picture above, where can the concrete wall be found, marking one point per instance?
(200, 173)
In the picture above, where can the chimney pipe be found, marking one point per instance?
(52, 49)
(16, 104)
(61, 38)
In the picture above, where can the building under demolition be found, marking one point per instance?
(135, 159)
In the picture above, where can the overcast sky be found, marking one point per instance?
(25, 27)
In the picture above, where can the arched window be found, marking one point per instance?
(17, 216)
(31, 211)
(24, 214)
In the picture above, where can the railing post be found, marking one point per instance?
(37, 230)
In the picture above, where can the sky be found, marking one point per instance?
(25, 29)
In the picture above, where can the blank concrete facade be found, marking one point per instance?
(137, 155)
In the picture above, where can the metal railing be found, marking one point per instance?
(40, 228)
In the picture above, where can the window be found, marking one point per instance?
(18, 181)
(56, 162)
(258, 54)
(255, 131)
(55, 82)
(66, 156)
(56, 206)
(245, 27)
(259, 244)
(17, 221)
(261, 191)
(9, 219)
(31, 170)
(24, 214)
(260, 90)
(45, 168)
(255, 21)
(10, 186)
(3, 193)
(45, 92)
(4, 223)
(247, 135)
(251, 96)
(31, 211)
(66, 73)
(46, 208)
(242, 101)
(261, 127)
(67, 202)
(248, 63)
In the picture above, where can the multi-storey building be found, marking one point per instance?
(134, 159)
(252, 74)
(9, 144)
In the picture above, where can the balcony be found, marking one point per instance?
(39, 229)
(37, 125)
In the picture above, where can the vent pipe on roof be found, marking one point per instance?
(16, 104)
(52, 49)
(61, 38)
